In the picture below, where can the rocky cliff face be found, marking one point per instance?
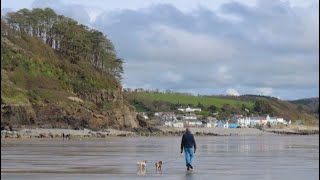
(75, 114)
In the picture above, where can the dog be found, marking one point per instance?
(158, 165)
(142, 164)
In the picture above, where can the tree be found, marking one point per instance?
(69, 38)
(212, 108)
(262, 107)
(200, 105)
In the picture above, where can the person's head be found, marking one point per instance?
(188, 130)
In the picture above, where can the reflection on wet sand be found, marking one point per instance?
(189, 175)
(233, 157)
(141, 171)
(158, 171)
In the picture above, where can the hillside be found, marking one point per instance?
(58, 73)
(310, 105)
(223, 105)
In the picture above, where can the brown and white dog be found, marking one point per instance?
(158, 165)
(142, 164)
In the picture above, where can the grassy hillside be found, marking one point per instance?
(225, 106)
(194, 100)
(308, 104)
(34, 73)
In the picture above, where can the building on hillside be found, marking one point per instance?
(222, 124)
(167, 116)
(144, 115)
(189, 116)
(244, 121)
(233, 124)
(208, 123)
(280, 120)
(174, 123)
(257, 120)
(177, 124)
(188, 109)
(287, 122)
(191, 123)
(272, 120)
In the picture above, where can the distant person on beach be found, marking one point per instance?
(188, 143)
(63, 136)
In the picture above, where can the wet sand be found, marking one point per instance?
(218, 157)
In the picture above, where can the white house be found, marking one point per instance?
(208, 123)
(189, 116)
(188, 109)
(280, 120)
(244, 121)
(168, 123)
(192, 123)
(271, 120)
(176, 123)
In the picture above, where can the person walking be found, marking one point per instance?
(188, 143)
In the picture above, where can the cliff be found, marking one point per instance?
(60, 84)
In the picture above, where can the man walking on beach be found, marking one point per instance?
(189, 145)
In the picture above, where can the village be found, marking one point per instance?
(187, 118)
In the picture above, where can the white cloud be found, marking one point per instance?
(223, 74)
(93, 13)
(232, 92)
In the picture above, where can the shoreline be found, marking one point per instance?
(57, 133)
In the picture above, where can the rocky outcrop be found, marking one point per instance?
(72, 115)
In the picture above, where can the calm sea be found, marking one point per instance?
(218, 157)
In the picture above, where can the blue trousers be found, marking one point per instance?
(188, 152)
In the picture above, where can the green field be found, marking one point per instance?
(194, 100)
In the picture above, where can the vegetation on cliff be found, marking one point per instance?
(58, 73)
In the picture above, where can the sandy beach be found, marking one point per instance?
(58, 133)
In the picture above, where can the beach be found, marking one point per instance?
(217, 157)
(154, 131)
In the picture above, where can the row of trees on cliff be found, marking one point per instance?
(66, 36)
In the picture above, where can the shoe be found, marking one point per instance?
(190, 166)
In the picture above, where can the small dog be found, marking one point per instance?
(142, 164)
(158, 165)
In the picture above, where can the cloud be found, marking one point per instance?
(232, 92)
(172, 77)
(266, 91)
(267, 47)
(74, 11)
(270, 45)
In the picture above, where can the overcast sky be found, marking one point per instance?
(264, 47)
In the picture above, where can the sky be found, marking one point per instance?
(206, 47)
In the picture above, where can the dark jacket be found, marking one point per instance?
(188, 141)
